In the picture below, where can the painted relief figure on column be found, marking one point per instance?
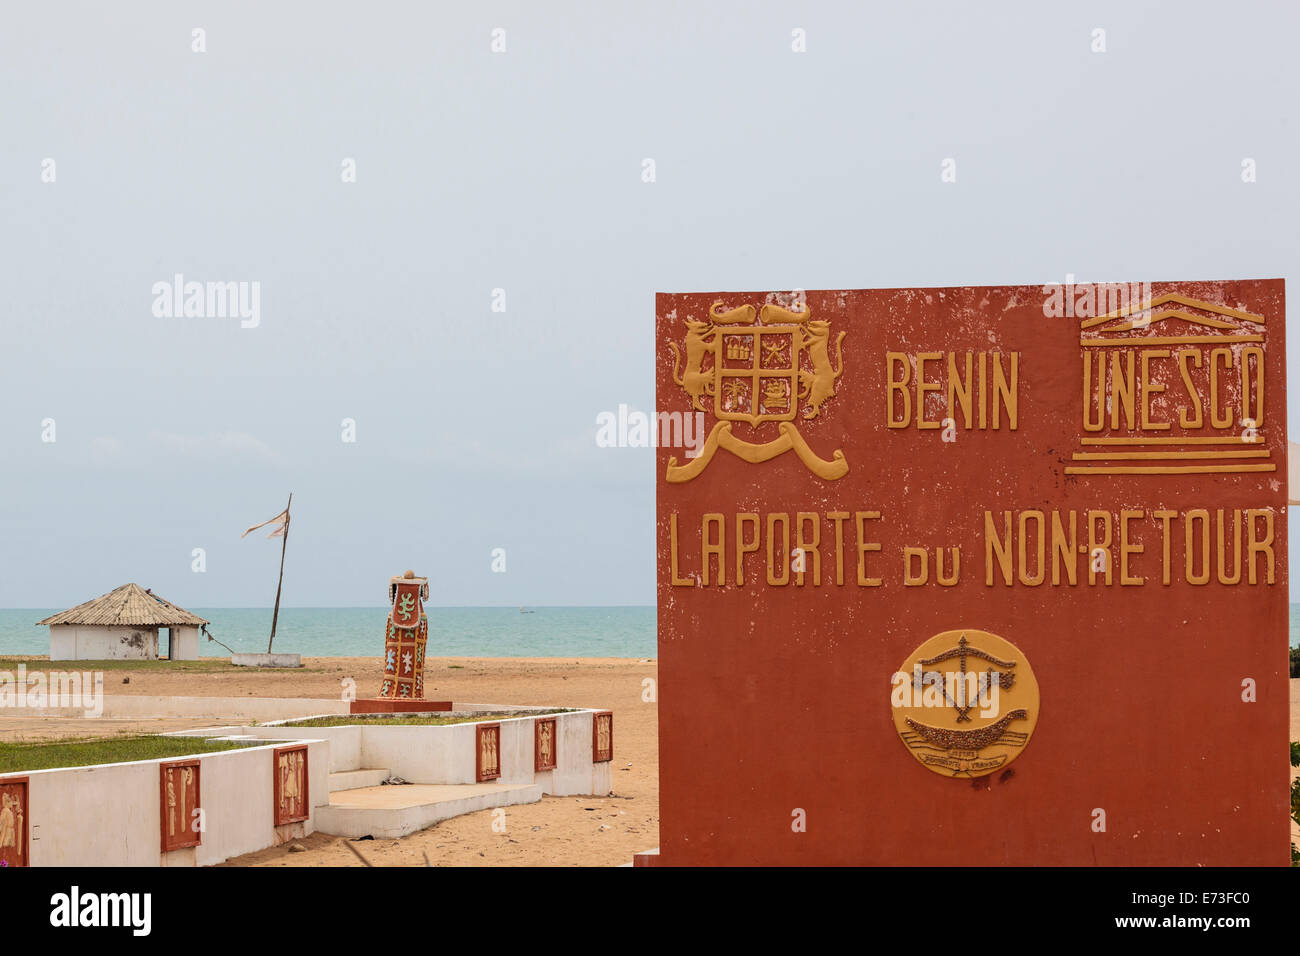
(13, 821)
(405, 637)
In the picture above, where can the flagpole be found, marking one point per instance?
(283, 545)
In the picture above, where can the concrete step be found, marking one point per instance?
(356, 779)
(396, 811)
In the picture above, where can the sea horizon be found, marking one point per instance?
(537, 630)
(614, 630)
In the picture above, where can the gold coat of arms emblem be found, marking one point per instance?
(759, 366)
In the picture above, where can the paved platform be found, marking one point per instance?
(395, 811)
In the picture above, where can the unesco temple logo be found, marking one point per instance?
(773, 370)
(965, 703)
(1173, 386)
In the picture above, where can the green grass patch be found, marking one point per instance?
(16, 757)
(354, 720)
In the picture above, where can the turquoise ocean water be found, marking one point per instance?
(359, 631)
(453, 631)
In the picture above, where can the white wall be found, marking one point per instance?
(445, 755)
(69, 642)
(110, 815)
(344, 743)
(574, 771)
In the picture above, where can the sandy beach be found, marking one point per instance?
(558, 831)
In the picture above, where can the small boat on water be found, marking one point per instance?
(976, 739)
(525, 611)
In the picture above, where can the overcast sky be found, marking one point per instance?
(522, 170)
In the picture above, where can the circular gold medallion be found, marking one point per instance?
(965, 703)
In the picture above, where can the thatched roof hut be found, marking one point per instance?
(124, 623)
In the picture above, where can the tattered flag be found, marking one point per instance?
(281, 521)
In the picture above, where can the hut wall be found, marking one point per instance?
(71, 642)
(184, 644)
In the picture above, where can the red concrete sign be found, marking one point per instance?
(973, 575)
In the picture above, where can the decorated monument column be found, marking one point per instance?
(407, 632)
